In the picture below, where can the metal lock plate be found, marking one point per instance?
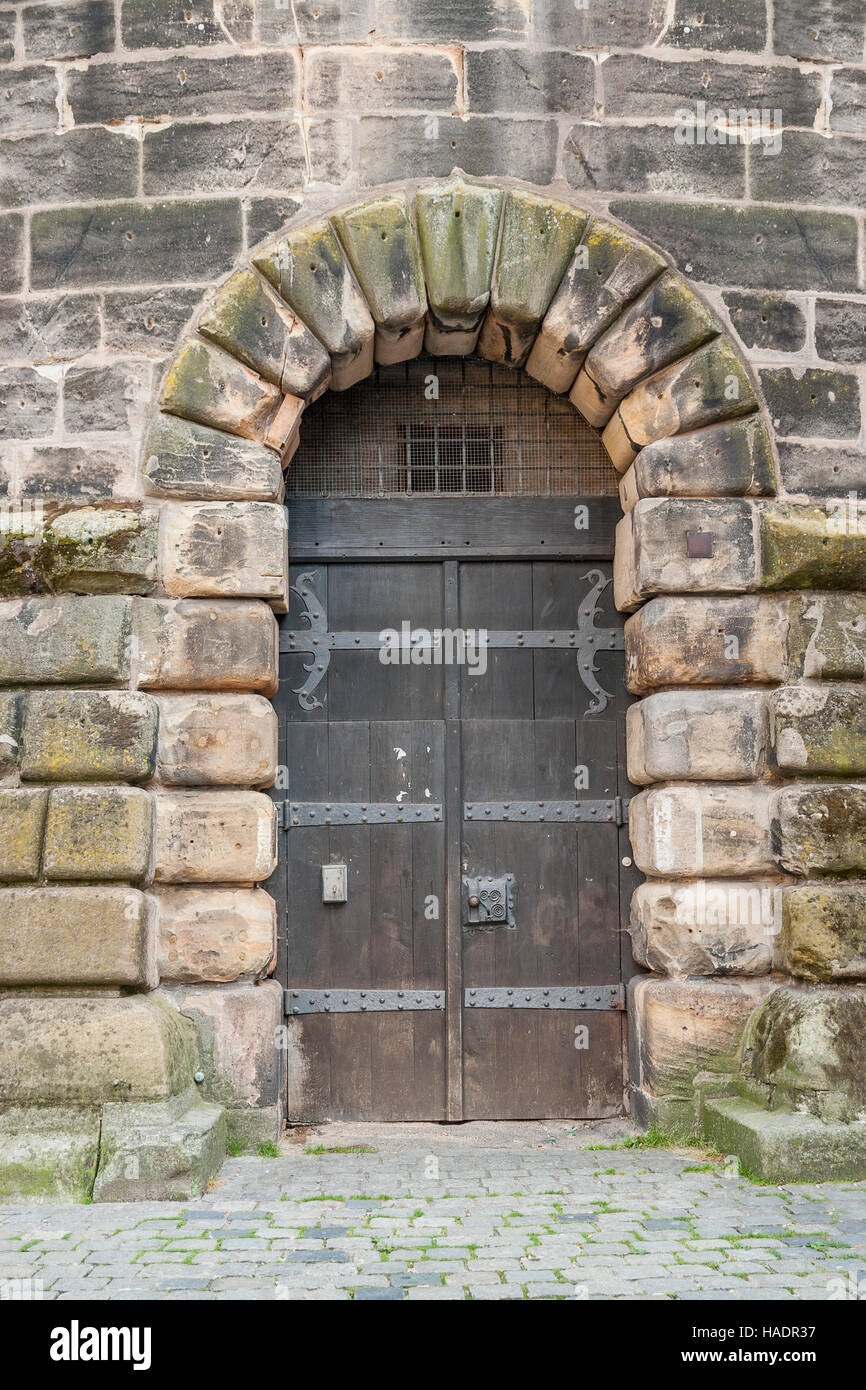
(334, 883)
(488, 902)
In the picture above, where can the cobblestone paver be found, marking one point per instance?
(461, 1223)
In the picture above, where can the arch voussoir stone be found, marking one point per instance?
(712, 564)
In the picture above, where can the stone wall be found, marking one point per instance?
(146, 152)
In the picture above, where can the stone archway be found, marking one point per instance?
(723, 646)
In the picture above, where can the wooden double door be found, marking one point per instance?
(451, 938)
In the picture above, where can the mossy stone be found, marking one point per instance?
(811, 547)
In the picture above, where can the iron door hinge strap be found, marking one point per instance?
(547, 997)
(378, 1001)
(297, 814)
(614, 811)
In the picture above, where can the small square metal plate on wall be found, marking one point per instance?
(699, 545)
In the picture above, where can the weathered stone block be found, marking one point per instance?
(380, 242)
(150, 89)
(536, 243)
(680, 1029)
(819, 729)
(77, 936)
(710, 927)
(653, 542)
(710, 385)
(734, 459)
(665, 323)
(213, 740)
(812, 547)
(91, 1050)
(219, 644)
(718, 735)
(817, 402)
(768, 247)
(820, 828)
(22, 821)
(48, 1153)
(822, 470)
(214, 837)
(221, 156)
(823, 935)
(458, 224)
(706, 641)
(216, 935)
(96, 551)
(238, 1039)
(44, 641)
(806, 1048)
(97, 833)
(839, 328)
(85, 551)
(608, 269)
(206, 385)
(68, 31)
(247, 319)
(163, 1151)
(225, 550)
(113, 243)
(29, 401)
(703, 831)
(11, 714)
(827, 637)
(777, 1146)
(310, 272)
(88, 735)
(182, 459)
(769, 322)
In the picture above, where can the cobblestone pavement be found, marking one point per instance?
(483, 1212)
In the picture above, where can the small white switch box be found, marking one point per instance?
(334, 883)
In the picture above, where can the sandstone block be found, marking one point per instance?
(811, 548)
(22, 821)
(657, 550)
(182, 459)
(819, 729)
(702, 831)
(11, 713)
(218, 644)
(709, 927)
(665, 323)
(214, 740)
(88, 735)
(97, 833)
(712, 384)
(458, 224)
(47, 641)
(48, 1153)
(249, 321)
(807, 1048)
(379, 239)
(536, 243)
(88, 551)
(608, 269)
(682, 1028)
(159, 1151)
(821, 828)
(215, 935)
(310, 272)
(718, 735)
(206, 385)
(214, 837)
(734, 459)
(706, 641)
(827, 637)
(225, 550)
(77, 936)
(823, 935)
(90, 1050)
(237, 1032)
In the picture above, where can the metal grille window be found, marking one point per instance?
(448, 427)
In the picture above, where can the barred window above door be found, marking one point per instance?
(447, 427)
